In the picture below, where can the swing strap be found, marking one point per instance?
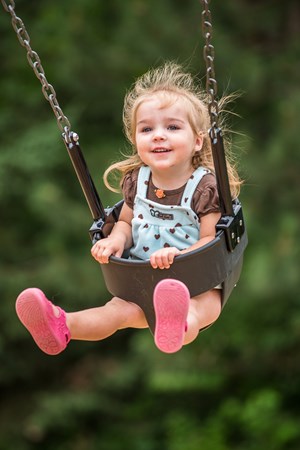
(232, 221)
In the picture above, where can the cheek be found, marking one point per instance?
(141, 140)
(140, 147)
(137, 142)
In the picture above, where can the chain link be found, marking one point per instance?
(35, 62)
(209, 56)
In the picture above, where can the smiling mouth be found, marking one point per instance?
(161, 150)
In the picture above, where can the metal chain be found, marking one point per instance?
(35, 62)
(209, 56)
(49, 91)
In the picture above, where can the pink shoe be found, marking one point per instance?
(171, 305)
(35, 312)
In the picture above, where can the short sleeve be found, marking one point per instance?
(206, 197)
(129, 187)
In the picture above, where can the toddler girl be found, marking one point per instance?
(170, 207)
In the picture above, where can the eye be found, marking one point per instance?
(146, 129)
(173, 127)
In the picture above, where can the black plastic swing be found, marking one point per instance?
(218, 262)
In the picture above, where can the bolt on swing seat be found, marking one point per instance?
(218, 262)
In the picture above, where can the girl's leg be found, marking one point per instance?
(52, 328)
(204, 310)
(99, 323)
(171, 299)
(179, 317)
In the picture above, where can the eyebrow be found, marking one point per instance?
(169, 119)
(174, 119)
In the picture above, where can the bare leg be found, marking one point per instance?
(98, 323)
(52, 328)
(101, 322)
(204, 310)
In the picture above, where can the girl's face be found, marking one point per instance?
(164, 137)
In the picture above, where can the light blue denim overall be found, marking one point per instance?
(155, 226)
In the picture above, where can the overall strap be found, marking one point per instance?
(191, 185)
(142, 182)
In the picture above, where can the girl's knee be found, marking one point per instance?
(207, 307)
(215, 307)
(133, 315)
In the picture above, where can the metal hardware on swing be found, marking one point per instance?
(232, 221)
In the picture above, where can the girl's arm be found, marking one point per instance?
(207, 231)
(164, 257)
(119, 239)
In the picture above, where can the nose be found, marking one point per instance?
(159, 135)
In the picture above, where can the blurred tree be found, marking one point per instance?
(238, 385)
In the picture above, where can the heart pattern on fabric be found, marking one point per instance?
(157, 223)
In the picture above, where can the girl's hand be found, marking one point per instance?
(104, 248)
(164, 257)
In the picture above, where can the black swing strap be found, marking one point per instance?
(232, 221)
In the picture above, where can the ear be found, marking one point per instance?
(198, 143)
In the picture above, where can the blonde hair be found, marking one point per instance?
(170, 82)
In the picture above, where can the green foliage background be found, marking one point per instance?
(237, 387)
